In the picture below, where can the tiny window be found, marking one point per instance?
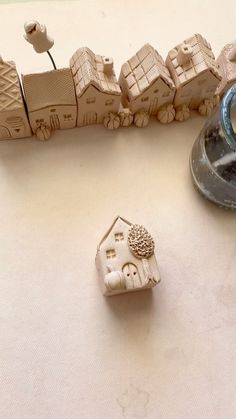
(166, 94)
(119, 237)
(91, 100)
(53, 110)
(109, 102)
(145, 99)
(156, 91)
(111, 254)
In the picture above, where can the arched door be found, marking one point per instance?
(4, 133)
(132, 276)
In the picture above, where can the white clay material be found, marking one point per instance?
(51, 101)
(146, 84)
(195, 73)
(125, 259)
(227, 67)
(36, 34)
(97, 90)
(13, 119)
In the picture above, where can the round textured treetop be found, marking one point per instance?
(140, 242)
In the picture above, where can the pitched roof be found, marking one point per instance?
(227, 65)
(50, 88)
(10, 90)
(202, 59)
(87, 69)
(111, 228)
(143, 69)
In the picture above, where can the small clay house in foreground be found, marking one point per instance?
(13, 119)
(125, 259)
(97, 90)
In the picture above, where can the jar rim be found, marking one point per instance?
(225, 116)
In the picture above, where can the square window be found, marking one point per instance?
(144, 99)
(156, 91)
(166, 94)
(91, 100)
(109, 102)
(111, 254)
(119, 237)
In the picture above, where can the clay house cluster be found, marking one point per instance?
(87, 92)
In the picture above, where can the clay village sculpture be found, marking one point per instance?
(126, 260)
(87, 91)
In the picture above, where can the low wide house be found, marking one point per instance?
(50, 99)
(97, 90)
(145, 82)
(13, 118)
(125, 259)
(227, 67)
(194, 70)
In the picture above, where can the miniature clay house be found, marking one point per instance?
(97, 91)
(147, 88)
(51, 101)
(227, 67)
(13, 119)
(196, 76)
(125, 259)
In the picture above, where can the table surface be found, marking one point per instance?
(67, 352)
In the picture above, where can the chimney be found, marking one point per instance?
(107, 65)
(1, 59)
(184, 54)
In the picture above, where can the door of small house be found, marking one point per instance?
(132, 277)
(54, 122)
(90, 118)
(4, 132)
(153, 106)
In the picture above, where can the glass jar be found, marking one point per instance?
(213, 157)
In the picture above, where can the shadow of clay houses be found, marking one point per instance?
(125, 259)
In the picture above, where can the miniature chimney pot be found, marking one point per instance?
(107, 65)
(184, 54)
(36, 34)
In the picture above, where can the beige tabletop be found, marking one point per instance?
(66, 352)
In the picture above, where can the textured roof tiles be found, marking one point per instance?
(141, 70)
(10, 90)
(87, 69)
(227, 65)
(201, 60)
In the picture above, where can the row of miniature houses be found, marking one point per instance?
(88, 92)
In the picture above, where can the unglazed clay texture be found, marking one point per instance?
(36, 34)
(51, 101)
(125, 259)
(227, 67)
(146, 83)
(88, 92)
(97, 90)
(13, 119)
(195, 73)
